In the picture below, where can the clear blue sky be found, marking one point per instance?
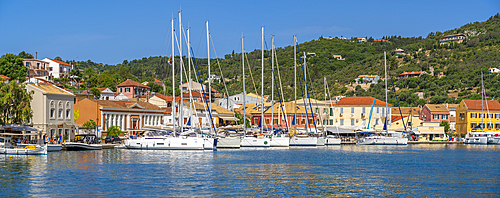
(113, 31)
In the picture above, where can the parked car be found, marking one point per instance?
(112, 139)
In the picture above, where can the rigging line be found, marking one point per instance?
(250, 69)
(281, 86)
(204, 96)
(394, 88)
(307, 92)
(312, 90)
(331, 108)
(281, 104)
(220, 69)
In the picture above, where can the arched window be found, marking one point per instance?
(52, 110)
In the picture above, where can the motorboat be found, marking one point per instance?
(479, 138)
(8, 149)
(152, 140)
(382, 138)
(83, 142)
(50, 147)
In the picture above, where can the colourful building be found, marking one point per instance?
(435, 113)
(132, 89)
(478, 115)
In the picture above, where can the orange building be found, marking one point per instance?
(127, 115)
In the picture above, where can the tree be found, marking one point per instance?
(446, 125)
(25, 55)
(114, 130)
(58, 58)
(12, 66)
(89, 125)
(15, 103)
(76, 115)
(96, 92)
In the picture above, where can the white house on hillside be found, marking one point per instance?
(58, 69)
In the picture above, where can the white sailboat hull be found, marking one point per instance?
(321, 141)
(304, 141)
(210, 143)
(332, 141)
(255, 142)
(280, 142)
(168, 143)
(382, 140)
(229, 142)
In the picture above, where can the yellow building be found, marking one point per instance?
(354, 112)
(476, 114)
(431, 131)
(409, 122)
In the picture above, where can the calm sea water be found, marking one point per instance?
(413, 170)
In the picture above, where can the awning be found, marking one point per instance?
(229, 118)
(19, 134)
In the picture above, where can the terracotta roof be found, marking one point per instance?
(194, 94)
(360, 101)
(168, 98)
(452, 106)
(129, 82)
(60, 62)
(380, 40)
(52, 89)
(410, 73)
(4, 77)
(123, 104)
(476, 105)
(158, 82)
(437, 108)
(367, 76)
(415, 111)
(396, 118)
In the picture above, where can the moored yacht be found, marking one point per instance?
(479, 138)
(83, 142)
(382, 138)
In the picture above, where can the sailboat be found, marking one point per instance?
(384, 137)
(330, 139)
(482, 137)
(251, 138)
(300, 137)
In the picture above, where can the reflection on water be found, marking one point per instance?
(348, 170)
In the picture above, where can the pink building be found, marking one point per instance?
(37, 68)
(435, 113)
(132, 89)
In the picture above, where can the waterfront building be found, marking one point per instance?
(430, 131)
(236, 101)
(132, 89)
(127, 115)
(58, 69)
(435, 113)
(283, 115)
(53, 111)
(322, 110)
(354, 112)
(37, 68)
(452, 108)
(478, 115)
(410, 122)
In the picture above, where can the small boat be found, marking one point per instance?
(383, 138)
(50, 147)
(479, 138)
(332, 140)
(154, 141)
(83, 142)
(8, 149)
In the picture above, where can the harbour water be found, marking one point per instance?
(421, 170)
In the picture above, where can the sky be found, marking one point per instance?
(110, 32)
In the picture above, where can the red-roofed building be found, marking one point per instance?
(37, 68)
(132, 89)
(380, 40)
(435, 113)
(405, 75)
(4, 79)
(355, 112)
(58, 69)
(472, 114)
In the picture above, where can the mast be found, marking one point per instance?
(304, 98)
(272, 84)
(482, 102)
(173, 77)
(324, 118)
(295, 80)
(262, 85)
(209, 81)
(189, 78)
(181, 64)
(244, 92)
(386, 106)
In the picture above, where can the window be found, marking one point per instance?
(481, 115)
(383, 112)
(331, 122)
(52, 111)
(435, 116)
(67, 113)
(377, 110)
(341, 122)
(316, 110)
(352, 122)
(127, 90)
(331, 111)
(268, 121)
(497, 116)
(324, 122)
(497, 126)
(364, 122)
(121, 89)
(473, 115)
(445, 117)
(363, 110)
(37, 65)
(60, 113)
(275, 121)
(490, 115)
(325, 110)
(256, 121)
(352, 109)
(311, 121)
(27, 64)
(50, 68)
(303, 121)
(489, 126)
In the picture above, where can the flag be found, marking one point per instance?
(170, 60)
(385, 124)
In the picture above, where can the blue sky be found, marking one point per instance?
(112, 31)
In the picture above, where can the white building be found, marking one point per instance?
(58, 69)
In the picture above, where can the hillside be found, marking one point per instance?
(454, 69)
